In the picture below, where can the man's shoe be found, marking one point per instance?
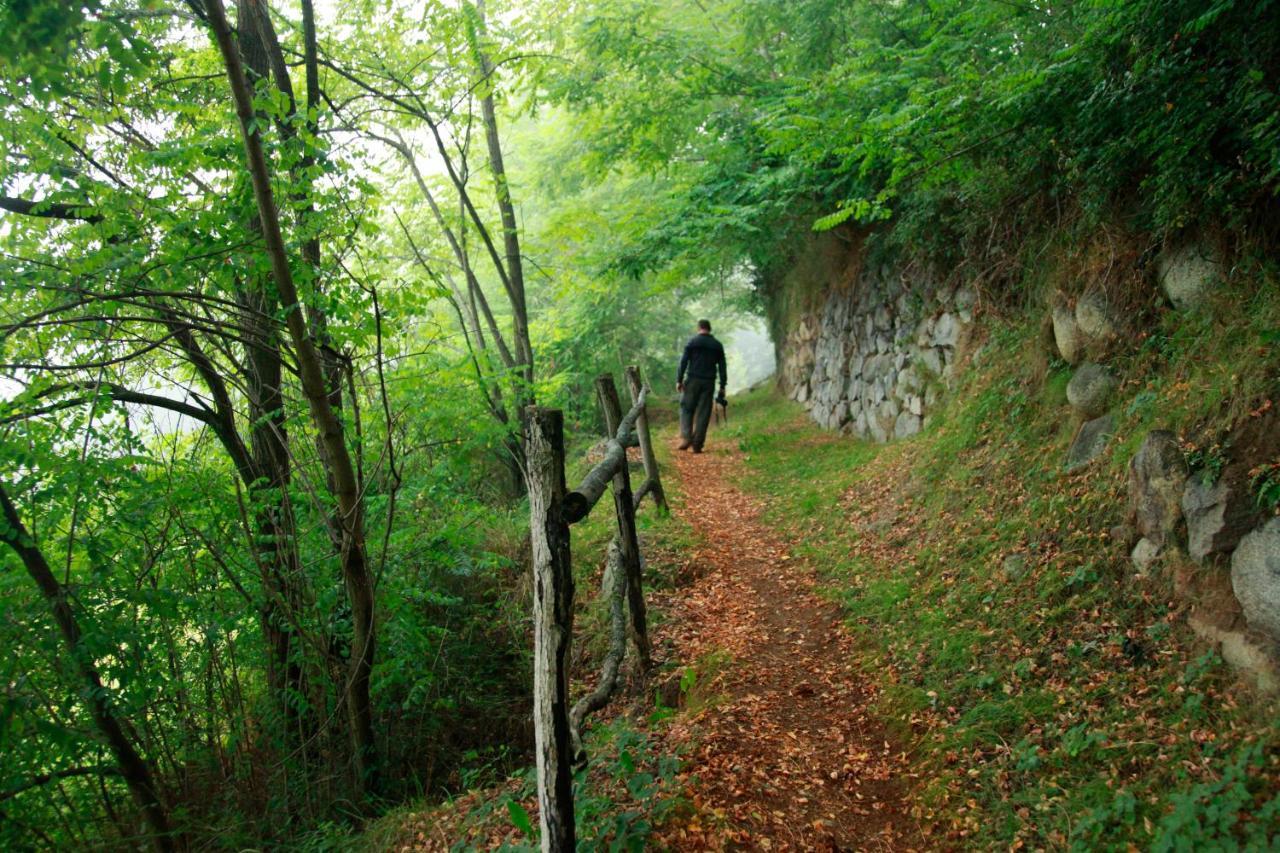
(697, 450)
(684, 444)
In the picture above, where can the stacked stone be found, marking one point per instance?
(1222, 526)
(795, 359)
(871, 360)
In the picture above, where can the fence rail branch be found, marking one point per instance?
(579, 503)
(615, 591)
(625, 512)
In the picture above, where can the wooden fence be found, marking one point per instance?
(553, 508)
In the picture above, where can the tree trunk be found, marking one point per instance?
(477, 299)
(276, 545)
(134, 769)
(628, 539)
(355, 569)
(653, 480)
(274, 66)
(510, 231)
(552, 627)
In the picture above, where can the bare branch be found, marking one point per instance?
(615, 585)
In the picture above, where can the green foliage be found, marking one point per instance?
(944, 117)
(1212, 811)
(117, 115)
(1209, 461)
(608, 821)
(520, 819)
(1266, 485)
(627, 788)
(665, 157)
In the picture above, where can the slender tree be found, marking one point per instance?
(137, 772)
(355, 567)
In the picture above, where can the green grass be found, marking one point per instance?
(1031, 723)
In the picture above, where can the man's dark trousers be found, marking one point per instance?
(695, 410)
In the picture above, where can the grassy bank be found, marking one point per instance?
(1053, 697)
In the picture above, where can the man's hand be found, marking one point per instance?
(679, 387)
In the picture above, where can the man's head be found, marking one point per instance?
(704, 327)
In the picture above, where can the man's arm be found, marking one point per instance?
(724, 370)
(684, 364)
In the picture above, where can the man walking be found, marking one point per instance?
(696, 381)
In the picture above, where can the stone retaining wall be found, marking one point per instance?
(873, 357)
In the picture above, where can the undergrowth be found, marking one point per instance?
(620, 796)
(629, 785)
(1055, 698)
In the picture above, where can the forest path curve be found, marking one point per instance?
(786, 750)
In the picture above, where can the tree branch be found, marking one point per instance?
(115, 392)
(615, 585)
(50, 209)
(57, 776)
(578, 503)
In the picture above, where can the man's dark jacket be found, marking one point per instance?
(703, 358)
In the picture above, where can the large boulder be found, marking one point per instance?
(1066, 333)
(858, 425)
(909, 379)
(1095, 318)
(1157, 478)
(931, 361)
(1255, 577)
(1091, 439)
(876, 367)
(1090, 390)
(875, 427)
(1218, 513)
(1187, 274)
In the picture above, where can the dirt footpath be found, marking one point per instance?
(788, 757)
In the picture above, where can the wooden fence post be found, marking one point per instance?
(552, 626)
(628, 539)
(653, 482)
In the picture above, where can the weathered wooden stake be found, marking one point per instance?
(552, 626)
(628, 540)
(652, 482)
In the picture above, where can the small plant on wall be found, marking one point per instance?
(1265, 480)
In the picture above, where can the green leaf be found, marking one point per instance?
(520, 818)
